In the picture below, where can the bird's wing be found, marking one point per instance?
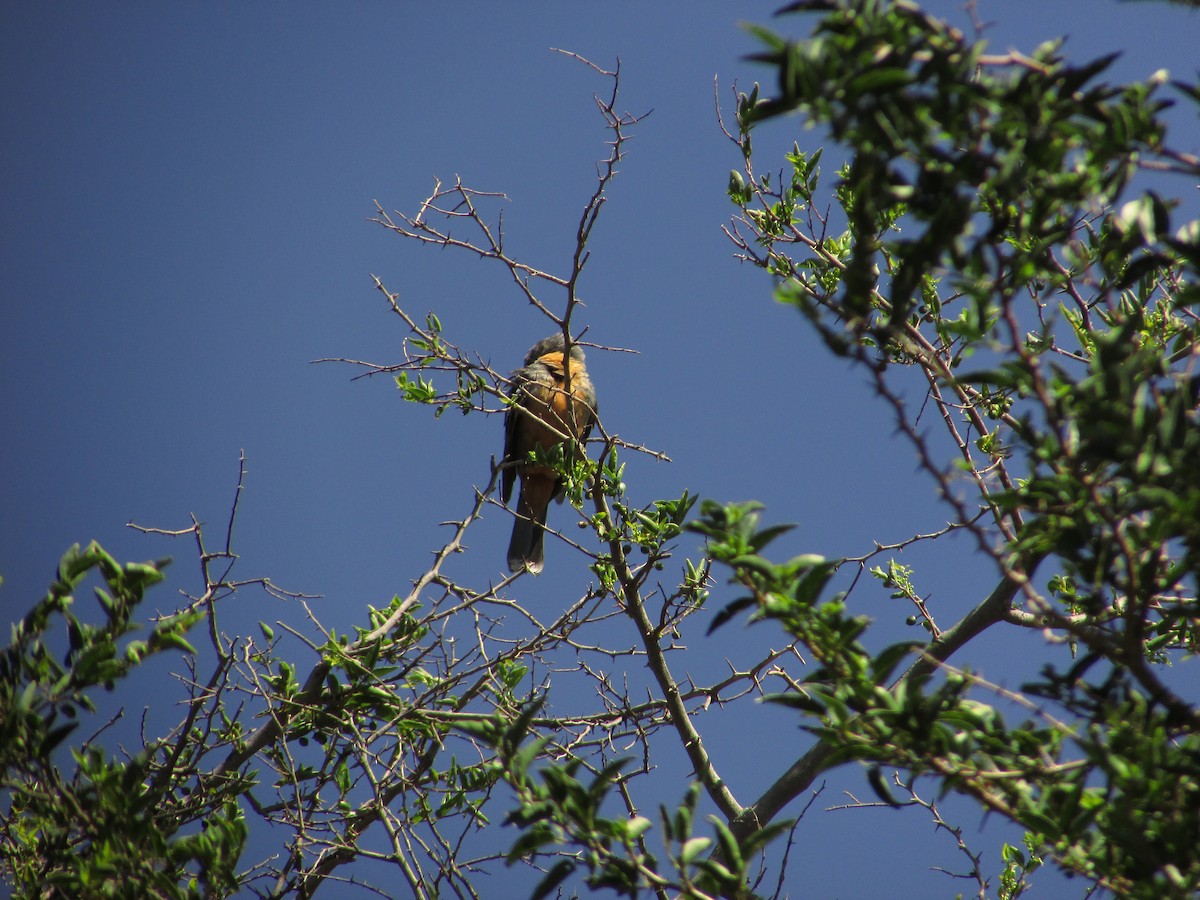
(509, 475)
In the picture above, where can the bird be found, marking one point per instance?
(539, 415)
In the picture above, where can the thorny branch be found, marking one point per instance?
(374, 743)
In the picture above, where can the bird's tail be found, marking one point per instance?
(525, 548)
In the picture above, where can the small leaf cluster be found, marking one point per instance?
(1116, 799)
(91, 824)
(429, 351)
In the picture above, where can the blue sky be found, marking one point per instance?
(184, 228)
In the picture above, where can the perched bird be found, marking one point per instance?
(541, 414)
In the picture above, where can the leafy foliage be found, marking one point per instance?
(988, 218)
(987, 249)
(126, 827)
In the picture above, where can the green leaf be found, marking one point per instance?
(692, 848)
(880, 80)
(731, 851)
(886, 660)
(636, 827)
(880, 787)
(558, 873)
(730, 610)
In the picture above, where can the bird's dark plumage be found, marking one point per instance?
(542, 414)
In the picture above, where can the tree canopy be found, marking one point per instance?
(1003, 260)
